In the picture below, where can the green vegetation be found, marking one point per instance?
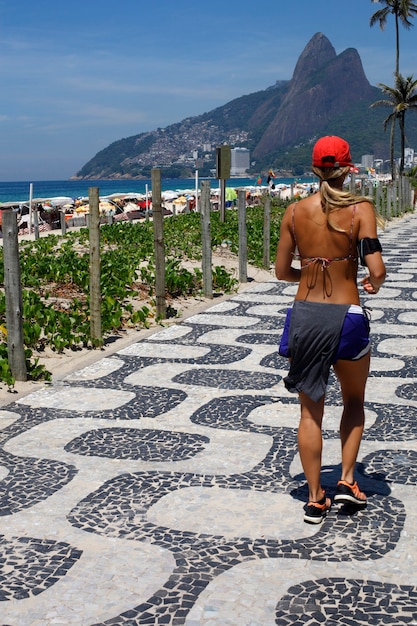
(413, 175)
(55, 279)
(109, 160)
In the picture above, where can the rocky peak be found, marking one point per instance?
(323, 85)
(317, 53)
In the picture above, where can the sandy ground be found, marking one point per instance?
(60, 365)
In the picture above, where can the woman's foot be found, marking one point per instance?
(349, 494)
(315, 512)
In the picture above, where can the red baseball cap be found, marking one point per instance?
(332, 151)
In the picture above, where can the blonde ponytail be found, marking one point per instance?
(333, 198)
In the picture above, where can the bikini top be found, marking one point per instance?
(325, 261)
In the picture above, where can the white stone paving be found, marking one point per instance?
(114, 574)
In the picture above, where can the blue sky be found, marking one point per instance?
(77, 75)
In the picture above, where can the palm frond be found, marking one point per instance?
(380, 16)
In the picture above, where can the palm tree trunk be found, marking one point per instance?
(391, 148)
(397, 45)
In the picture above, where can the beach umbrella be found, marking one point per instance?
(106, 207)
(82, 208)
(169, 195)
(61, 200)
(134, 196)
(103, 207)
(130, 206)
(181, 200)
(114, 196)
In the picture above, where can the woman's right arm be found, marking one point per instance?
(374, 262)
(285, 251)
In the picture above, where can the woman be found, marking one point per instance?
(326, 325)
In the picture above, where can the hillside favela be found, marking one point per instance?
(274, 128)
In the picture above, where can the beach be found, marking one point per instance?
(19, 191)
(49, 210)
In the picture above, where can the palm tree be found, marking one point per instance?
(402, 10)
(400, 98)
(413, 173)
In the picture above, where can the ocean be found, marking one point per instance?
(20, 191)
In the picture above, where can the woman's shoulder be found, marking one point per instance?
(310, 203)
(364, 207)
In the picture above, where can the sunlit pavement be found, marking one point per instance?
(162, 484)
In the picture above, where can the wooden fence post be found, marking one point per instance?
(13, 296)
(396, 198)
(407, 202)
(243, 236)
(206, 261)
(409, 194)
(95, 291)
(159, 247)
(36, 223)
(267, 233)
(399, 196)
(63, 222)
(390, 193)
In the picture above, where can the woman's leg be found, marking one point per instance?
(352, 376)
(310, 444)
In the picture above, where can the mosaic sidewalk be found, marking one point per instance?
(162, 485)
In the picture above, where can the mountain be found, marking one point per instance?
(323, 85)
(327, 94)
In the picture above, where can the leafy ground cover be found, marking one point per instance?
(55, 279)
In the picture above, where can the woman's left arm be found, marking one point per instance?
(285, 251)
(374, 261)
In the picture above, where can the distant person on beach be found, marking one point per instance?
(23, 221)
(329, 232)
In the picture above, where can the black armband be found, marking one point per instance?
(368, 246)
